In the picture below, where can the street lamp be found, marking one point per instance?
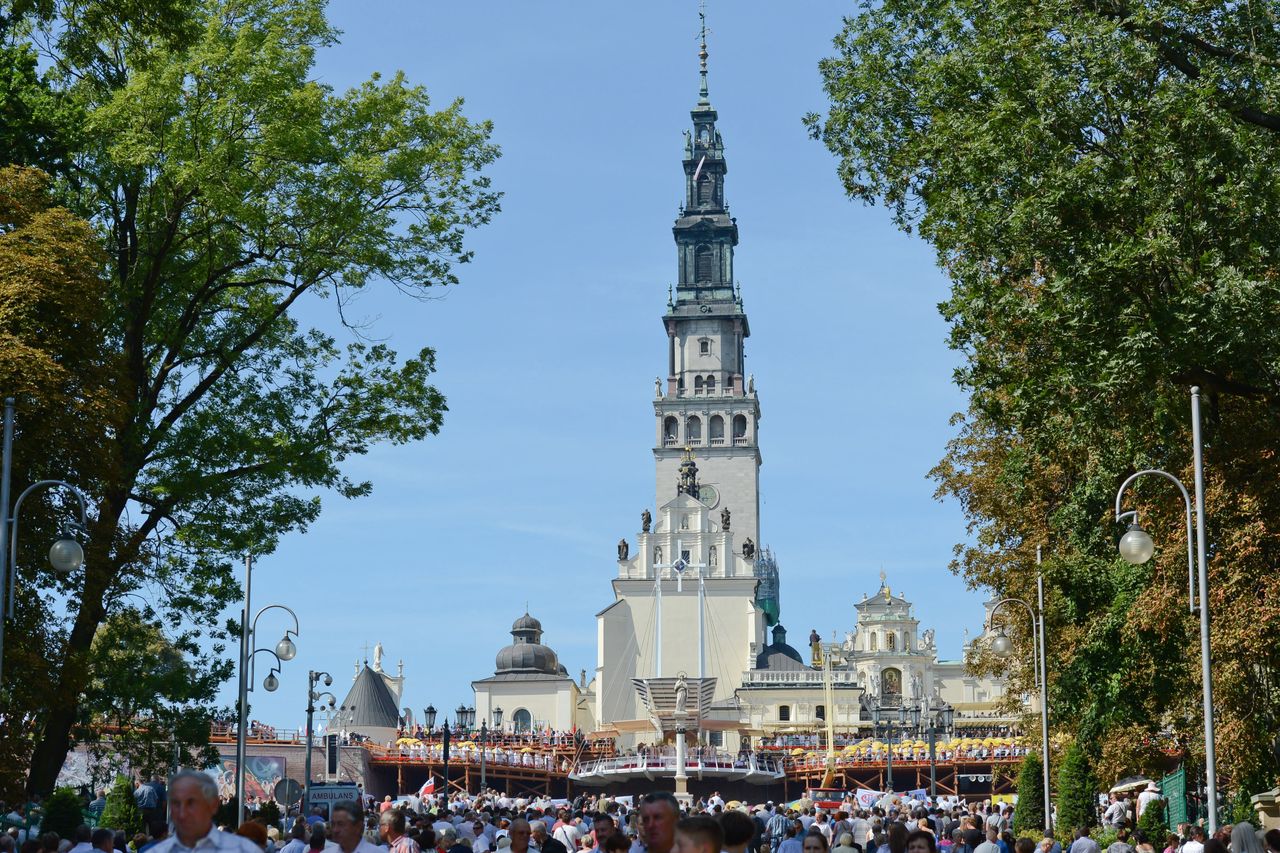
(313, 678)
(936, 717)
(1137, 547)
(444, 745)
(429, 713)
(889, 726)
(66, 555)
(484, 743)
(284, 650)
(1002, 647)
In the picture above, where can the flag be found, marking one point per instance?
(698, 171)
(427, 789)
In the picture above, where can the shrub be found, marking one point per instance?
(1028, 814)
(269, 813)
(122, 812)
(1077, 790)
(62, 813)
(1152, 823)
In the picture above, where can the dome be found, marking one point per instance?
(779, 655)
(526, 652)
(526, 623)
(528, 657)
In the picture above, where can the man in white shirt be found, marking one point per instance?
(716, 800)
(1196, 844)
(990, 845)
(193, 801)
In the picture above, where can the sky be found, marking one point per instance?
(548, 347)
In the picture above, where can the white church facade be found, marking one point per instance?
(696, 595)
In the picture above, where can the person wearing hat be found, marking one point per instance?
(1147, 797)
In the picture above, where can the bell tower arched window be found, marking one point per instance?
(890, 641)
(702, 263)
(717, 429)
(693, 429)
(670, 430)
(711, 385)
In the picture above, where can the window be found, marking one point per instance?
(739, 427)
(906, 641)
(890, 641)
(716, 738)
(522, 720)
(704, 346)
(717, 429)
(706, 189)
(711, 385)
(702, 260)
(820, 711)
(697, 385)
(784, 713)
(670, 430)
(693, 430)
(873, 642)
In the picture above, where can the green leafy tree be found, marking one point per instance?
(1097, 180)
(1077, 790)
(1152, 821)
(121, 812)
(228, 186)
(269, 813)
(1028, 816)
(62, 813)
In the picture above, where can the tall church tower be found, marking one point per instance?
(708, 403)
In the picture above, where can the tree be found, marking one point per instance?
(1077, 790)
(1152, 821)
(1028, 816)
(1095, 178)
(229, 186)
(121, 812)
(62, 813)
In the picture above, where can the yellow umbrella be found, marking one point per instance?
(408, 741)
(467, 744)
(732, 804)
(797, 751)
(527, 749)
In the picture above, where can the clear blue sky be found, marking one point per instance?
(548, 348)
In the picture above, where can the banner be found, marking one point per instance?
(868, 799)
(918, 794)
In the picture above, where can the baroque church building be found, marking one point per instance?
(697, 599)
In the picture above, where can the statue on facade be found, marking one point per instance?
(624, 550)
(377, 657)
(917, 684)
(657, 556)
(682, 694)
(724, 518)
(749, 549)
(848, 641)
(928, 638)
(646, 521)
(751, 383)
(657, 387)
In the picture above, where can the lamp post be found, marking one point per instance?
(484, 740)
(1002, 646)
(313, 678)
(889, 726)
(284, 650)
(466, 718)
(1136, 547)
(65, 556)
(444, 746)
(943, 716)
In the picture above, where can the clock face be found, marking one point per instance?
(708, 495)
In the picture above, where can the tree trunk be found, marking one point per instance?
(64, 697)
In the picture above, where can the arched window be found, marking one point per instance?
(704, 346)
(670, 430)
(906, 641)
(706, 188)
(890, 641)
(697, 385)
(784, 713)
(693, 429)
(873, 642)
(820, 711)
(717, 429)
(702, 259)
(522, 720)
(739, 427)
(711, 385)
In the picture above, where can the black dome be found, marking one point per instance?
(526, 652)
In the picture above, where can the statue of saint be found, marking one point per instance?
(624, 550)
(724, 518)
(682, 694)
(928, 638)
(377, 658)
(749, 549)
(657, 387)
(751, 383)
(646, 521)
(848, 641)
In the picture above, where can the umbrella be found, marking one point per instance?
(408, 741)
(732, 804)
(527, 749)
(797, 751)
(1130, 783)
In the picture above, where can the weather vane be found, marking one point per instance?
(702, 52)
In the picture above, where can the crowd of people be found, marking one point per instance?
(494, 822)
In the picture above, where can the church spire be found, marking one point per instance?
(703, 99)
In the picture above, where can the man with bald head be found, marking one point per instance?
(519, 832)
(193, 801)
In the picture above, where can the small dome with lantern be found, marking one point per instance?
(527, 654)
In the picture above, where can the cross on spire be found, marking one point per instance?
(366, 651)
(702, 51)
